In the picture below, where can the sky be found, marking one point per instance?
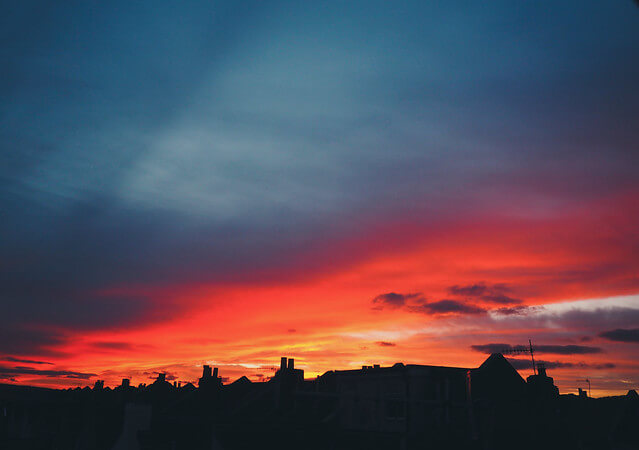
(344, 183)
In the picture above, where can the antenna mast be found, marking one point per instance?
(532, 356)
(517, 349)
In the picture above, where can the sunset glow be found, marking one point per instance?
(345, 185)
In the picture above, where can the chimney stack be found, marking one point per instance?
(161, 377)
(283, 363)
(541, 369)
(215, 372)
(291, 364)
(126, 382)
(206, 371)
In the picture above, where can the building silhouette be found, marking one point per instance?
(403, 406)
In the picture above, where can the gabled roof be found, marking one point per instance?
(497, 362)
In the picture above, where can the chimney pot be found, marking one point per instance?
(283, 363)
(291, 364)
(541, 369)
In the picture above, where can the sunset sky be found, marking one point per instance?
(344, 183)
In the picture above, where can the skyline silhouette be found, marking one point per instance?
(520, 357)
(403, 406)
(220, 183)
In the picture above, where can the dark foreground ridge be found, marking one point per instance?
(398, 407)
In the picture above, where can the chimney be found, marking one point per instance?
(583, 393)
(206, 371)
(215, 372)
(283, 363)
(126, 382)
(376, 366)
(291, 364)
(161, 377)
(541, 369)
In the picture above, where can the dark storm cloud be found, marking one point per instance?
(553, 349)
(500, 299)
(471, 290)
(152, 143)
(567, 349)
(493, 348)
(447, 307)
(394, 300)
(416, 303)
(62, 302)
(495, 293)
(17, 339)
(19, 370)
(523, 364)
(622, 335)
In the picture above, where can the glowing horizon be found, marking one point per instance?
(346, 184)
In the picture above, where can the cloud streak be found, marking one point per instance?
(445, 307)
(417, 303)
(21, 370)
(24, 361)
(622, 335)
(495, 293)
(551, 349)
(394, 300)
(522, 364)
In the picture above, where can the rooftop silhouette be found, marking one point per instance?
(403, 406)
